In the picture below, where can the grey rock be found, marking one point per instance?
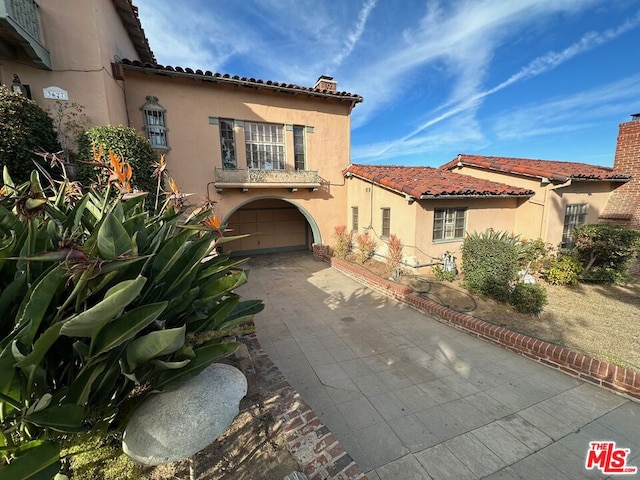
(177, 423)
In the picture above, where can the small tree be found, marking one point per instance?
(365, 247)
(25, 131)
(343, 241)
(394, 255)
(605, 251)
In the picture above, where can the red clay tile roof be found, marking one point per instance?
(551, 169)
(426, 182)
(128, 13)
(255, 83)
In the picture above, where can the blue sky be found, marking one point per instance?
(545, 79)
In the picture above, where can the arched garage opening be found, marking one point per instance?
(273, 225)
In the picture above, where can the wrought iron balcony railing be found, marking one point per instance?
(237, 177)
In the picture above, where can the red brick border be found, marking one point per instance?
(619, 379)
(308, 439)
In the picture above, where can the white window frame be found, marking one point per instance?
(265, 146)
(385, 229)
(154, 118)
(575, 214)
(228, 144)
(299, 147)
(449, 224)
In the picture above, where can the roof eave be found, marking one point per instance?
(351, 98)
(449, 197)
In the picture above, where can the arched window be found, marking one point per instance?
(155, 127)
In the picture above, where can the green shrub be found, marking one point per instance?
(126, 143)
(490, 263)
(99, 296)
(564, 270)
(365, 247)
(605, 251)
(533, 254)
(441, 275)
(394, 256)
(343, 241)
(528, 297)
(25, 130)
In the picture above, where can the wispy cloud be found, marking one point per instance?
(536, 67)
(575, 112)
(353, 37)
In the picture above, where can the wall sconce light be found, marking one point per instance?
(18, 87)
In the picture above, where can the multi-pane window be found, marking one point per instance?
(354, 219)
(155, 128)
(448, 223)
(265, 146)
(386, 222)
(574, 216)
(298, 148)
(228, 144)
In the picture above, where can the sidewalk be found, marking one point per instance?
(411, 398)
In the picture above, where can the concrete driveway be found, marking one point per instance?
(411, 398)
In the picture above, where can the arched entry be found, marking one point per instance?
(273, 224)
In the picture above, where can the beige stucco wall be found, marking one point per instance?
(195, 143)
(542, 216)
(413, 223)
(82, 37)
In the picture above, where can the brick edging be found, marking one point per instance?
(624, 381)
(308, 439)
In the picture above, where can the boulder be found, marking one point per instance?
(177, 423)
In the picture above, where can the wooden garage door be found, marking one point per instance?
(273, 226)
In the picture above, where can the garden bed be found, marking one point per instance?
(599, 320)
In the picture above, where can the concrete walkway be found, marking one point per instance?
(411, 398)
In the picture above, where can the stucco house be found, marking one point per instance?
(270, 154)
(430, 210)
(566, 194)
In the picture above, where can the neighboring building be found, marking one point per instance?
(430, 210)
(567, 194)
(270, 154)
(64, 50)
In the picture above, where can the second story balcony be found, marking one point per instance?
(20, 28)
(256, 178)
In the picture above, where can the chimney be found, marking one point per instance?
(623, 205)
(326, 83)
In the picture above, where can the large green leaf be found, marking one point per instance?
(113, 240)
(41, 346)
(205, 356)
(219, 314)
(39, 461)
(15, 290)
(38, 303)
(126, 327)
(89, 322)
(62, 418)
(154, 344)
(219, 287)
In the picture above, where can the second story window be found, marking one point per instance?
(265, 146)
(155, 127)
(298, 148)
(228, 144)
